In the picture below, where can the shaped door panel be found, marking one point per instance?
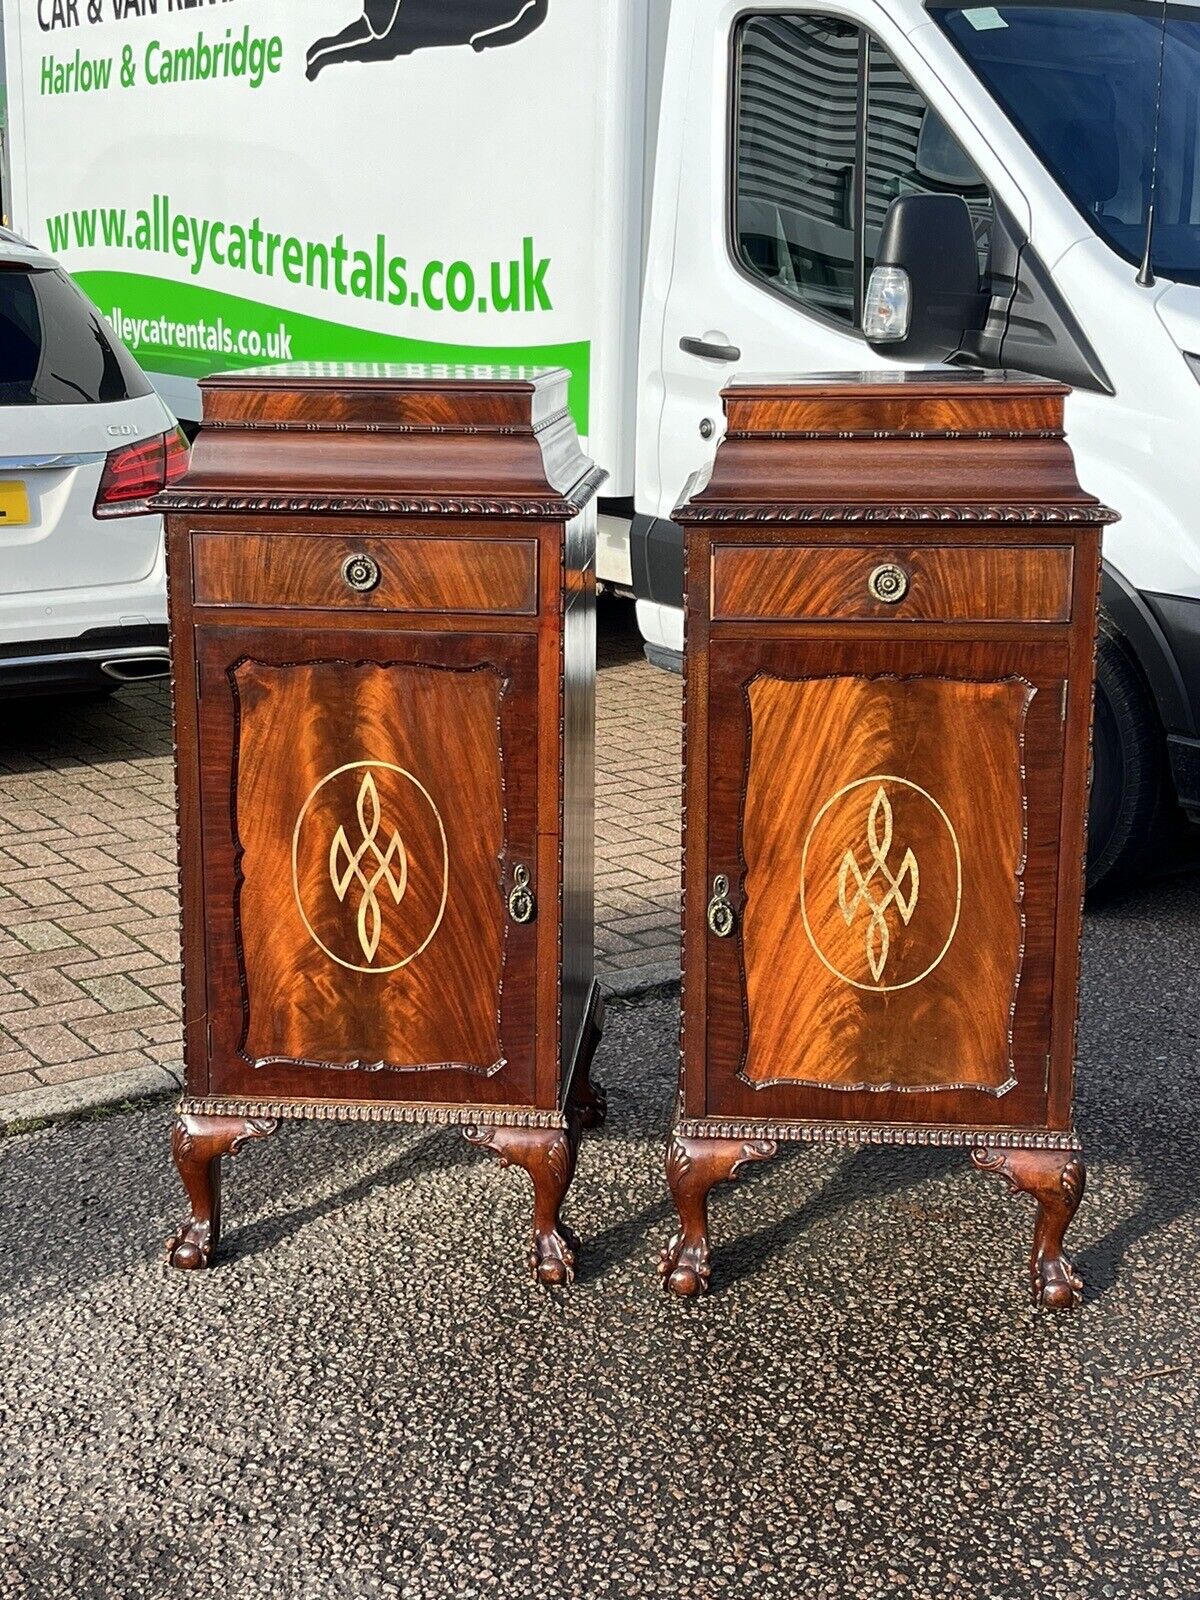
(365, 804)
(889, 829)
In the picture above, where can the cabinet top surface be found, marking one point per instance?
(385, 375)
(931, 380)
(373, 395)
(921, 447)
(406, 440)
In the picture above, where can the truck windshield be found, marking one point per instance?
(1080, 83)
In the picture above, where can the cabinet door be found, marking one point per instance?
(887, 815)
(367, 799)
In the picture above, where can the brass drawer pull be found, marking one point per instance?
(521, 904)
(720, 912)
(360, 573)
(888, 583)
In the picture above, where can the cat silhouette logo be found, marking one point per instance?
(390, 28)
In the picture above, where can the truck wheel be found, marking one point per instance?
(1127, 773)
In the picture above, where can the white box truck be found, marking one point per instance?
(656, 194)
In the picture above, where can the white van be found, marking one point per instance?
(660, 193)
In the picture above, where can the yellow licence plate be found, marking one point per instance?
(14, 504)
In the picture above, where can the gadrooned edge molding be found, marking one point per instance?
(849, 1134)
(957, 513)
(551, 508)
(367, 1111)
(841, 435)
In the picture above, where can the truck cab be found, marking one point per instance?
(786, 134)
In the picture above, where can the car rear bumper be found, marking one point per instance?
(41, 615)
(100, 658)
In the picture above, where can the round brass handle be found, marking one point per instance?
(720, 912)
(360, 573)
(888, 583)
(521, 904)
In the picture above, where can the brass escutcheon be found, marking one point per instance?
(361, 573)
(888, 583)
(720, 912)
(521, 904)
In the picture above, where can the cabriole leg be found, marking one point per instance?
(693, 1167)
(197, 1144)
(548, 1156)
(1056, 1180)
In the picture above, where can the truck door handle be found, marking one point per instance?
(711, 352)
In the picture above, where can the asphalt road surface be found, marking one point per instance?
(367, 1397)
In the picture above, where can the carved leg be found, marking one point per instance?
(1056, 1180)
(548, 1156)
(198, 1143)
(587, 1093)
(693, 1167)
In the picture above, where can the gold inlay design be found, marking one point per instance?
(879, 886)
(378, 860)
(370, 920)
(879, 841)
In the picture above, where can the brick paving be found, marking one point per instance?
(638, 733)
(89, 944)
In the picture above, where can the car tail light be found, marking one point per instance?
(176, 453)
(136, 471)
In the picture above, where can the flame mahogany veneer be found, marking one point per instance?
(891, 617)
(382, 601)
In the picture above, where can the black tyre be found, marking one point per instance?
(1127, 776)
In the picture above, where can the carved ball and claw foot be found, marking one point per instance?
(587, 1093)
(198, 1144)
(693, 1167)
(1056, 1180)
(548, 1155)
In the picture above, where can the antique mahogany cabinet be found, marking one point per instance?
(382, 600)
(891, 613)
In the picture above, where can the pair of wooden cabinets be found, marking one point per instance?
(382, 600)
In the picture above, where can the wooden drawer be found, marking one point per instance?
(416, 573)
(843, 582)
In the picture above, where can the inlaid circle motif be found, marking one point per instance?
(370, 866)
(881, 883)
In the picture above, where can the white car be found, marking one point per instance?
(84, 442)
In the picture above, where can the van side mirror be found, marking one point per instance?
(923, 294)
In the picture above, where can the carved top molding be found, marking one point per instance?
(958, 513)
(551, 508)
(843, 434)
